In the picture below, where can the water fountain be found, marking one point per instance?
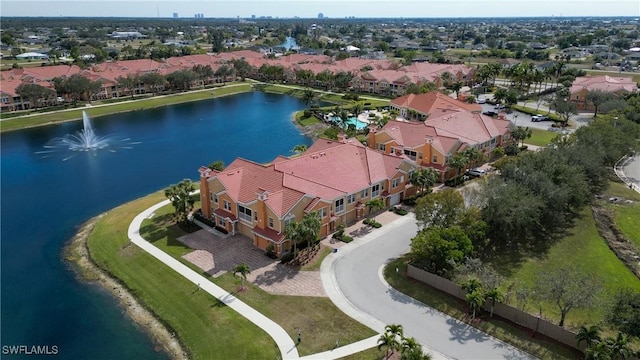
(85, 140)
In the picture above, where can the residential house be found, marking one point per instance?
(333, 178)
(446, 129)
(617, 86)
(420, 106)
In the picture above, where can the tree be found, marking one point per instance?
(76, 86)
(494, 295)
(565, 109)
(424, 178)
(181, 79)
(394, 329)
(456, 87)
(599, 351)
(216, 165)
(441, 209)
(203, 73)
(474, 155)
(590, 335)
(520, 133)
(153, 80)
(568, 287)
(35, 93)
(438, 250)
(306, 230)
(388, 341)
(374, 205)
(128, 82)
(343, 116)
(619, 347)
(223, 72)
(309, 97)
(624, 312)
(596, 98)
(242, 67)
(458, 162)
(180, 196)
(475, 299)
(242, 269)
(300, 148)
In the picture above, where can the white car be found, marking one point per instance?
(480, 101)
(476, 172)
(499, 107)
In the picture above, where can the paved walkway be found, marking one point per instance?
(628, 170)
(285, 343)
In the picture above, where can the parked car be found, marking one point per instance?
(481, 101)
(499, 107)
(476, 172)
(537, 118)
(490, 113)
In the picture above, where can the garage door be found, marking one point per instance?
(395, 199)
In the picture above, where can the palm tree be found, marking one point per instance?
(458, 162)
(425, 178)
(596, 98)
(311, 224)
(619, 348)
(293, 232)
(471, 285)
(589, 335)
(300, 148)
(599, 351)
(389, 341)
(395, 329)
(456, 87)
(475, 300)
(357, 108)
(374, 205)
(473, 154)
(242, 269)
(344, 119)
(409, 344)
(309, 97)
(180, 196)
(494, 295)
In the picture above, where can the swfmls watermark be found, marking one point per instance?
(30, 350)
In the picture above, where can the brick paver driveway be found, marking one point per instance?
(216, 256)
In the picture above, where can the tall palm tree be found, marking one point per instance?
(424, 178)
(311, 224)
(409, 343)
(494, 295)
(471, 285)
(293, 232)
(389, 341)
(395, 329)
(590, 335)
(475, 300)
(473, 154)
(458, 162)
(343, 115)
(374, 205)
(242, 269)
(309, 97)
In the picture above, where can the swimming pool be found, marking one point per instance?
(352, 120)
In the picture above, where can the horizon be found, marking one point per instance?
(311, 9)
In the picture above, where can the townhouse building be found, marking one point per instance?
(616, 86)
(336, 179)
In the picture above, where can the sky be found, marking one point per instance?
(311, 8)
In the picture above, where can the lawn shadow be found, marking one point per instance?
(277, 274)
(462, 332)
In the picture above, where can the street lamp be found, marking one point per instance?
(515, 117)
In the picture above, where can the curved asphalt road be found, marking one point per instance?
(358, 277)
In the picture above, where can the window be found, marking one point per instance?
(411, 154)
(289, 219)
(351, 198)
(323, 213)
(339, 205)
(365, 193)
(375, 190)
(395, 183)
(382, 147)
(271, 222)
(245, 213)
(214, 198)
(227, 205)
(221, 222)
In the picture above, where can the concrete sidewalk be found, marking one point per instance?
(285, 343)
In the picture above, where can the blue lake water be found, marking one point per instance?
(45, 198)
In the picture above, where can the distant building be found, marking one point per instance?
(320, 16)
(127, 35)
(175, 15)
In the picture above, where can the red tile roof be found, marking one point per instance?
(433, 103)
(604, 83)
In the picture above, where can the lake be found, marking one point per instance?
(46, 196)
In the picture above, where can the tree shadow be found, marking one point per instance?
(462, 332)
(277, 274)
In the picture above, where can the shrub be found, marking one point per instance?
(372, 223)
(339, 232)
(270, 251)
(346, 239)
(455, 181)
(400, 211)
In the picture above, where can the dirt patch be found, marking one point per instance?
(624, 249)
(77, 253)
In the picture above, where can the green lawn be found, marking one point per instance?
(619, 189)
(627, 218)
(96, 112)
(585, 248)
(320, 320)
(208, 329)
(315, 266)
(369, 354)
(542, 348)
(540, 137)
